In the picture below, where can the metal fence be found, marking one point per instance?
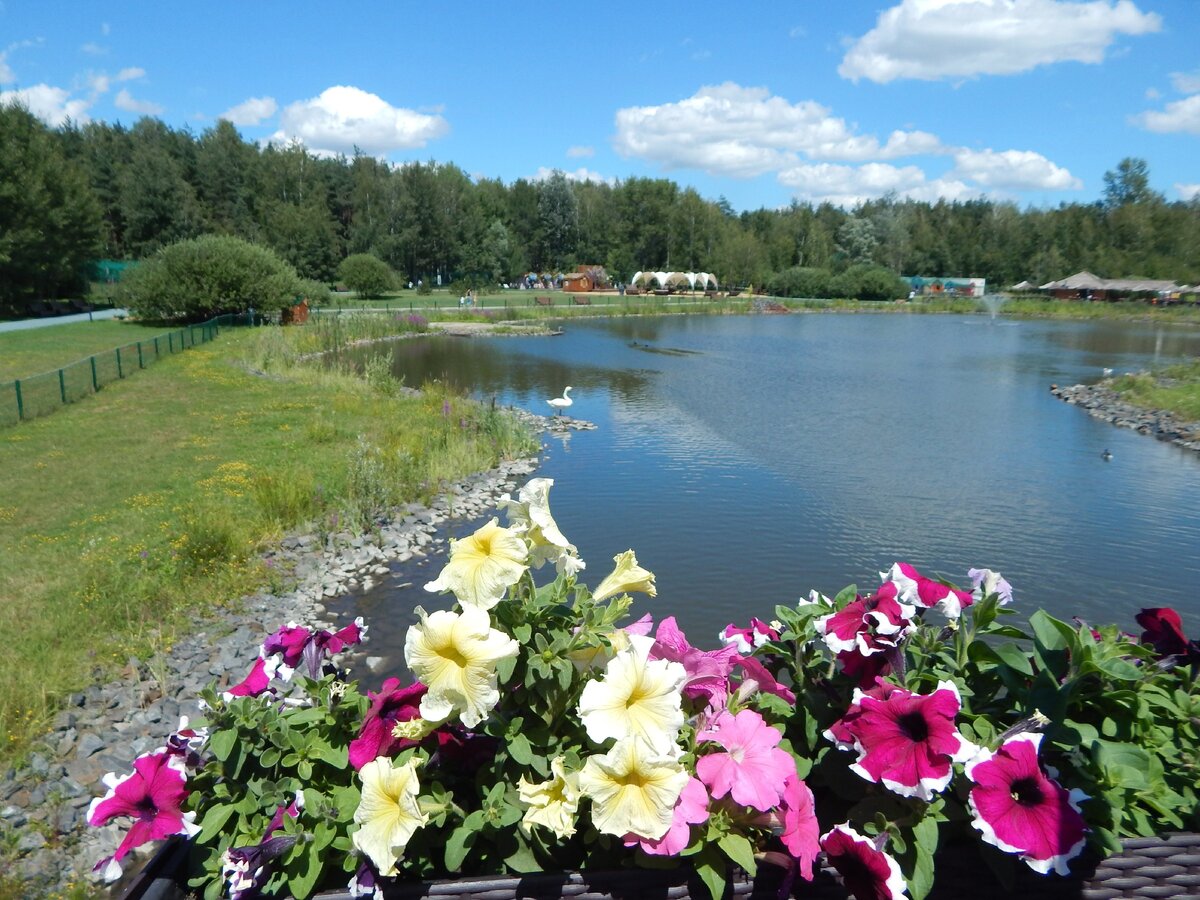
(40, 395)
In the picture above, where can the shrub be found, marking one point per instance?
(800, 281)
(366, 275)
(207, 276)
(317, 293)
(867, 282)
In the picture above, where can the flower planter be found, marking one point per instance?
(1163, 868)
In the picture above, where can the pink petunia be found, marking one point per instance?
(748, 639)
(838, 732)
(753, 770)
(866, 670)
(1019, 809)
(391, 705)
(907, 742)
(707, 670)
(801, 833)
(868, 872)
(153, 796)
(915, 588)
(690, 809)
(256, 683)
(755, 673)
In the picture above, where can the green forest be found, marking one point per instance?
(80, 193)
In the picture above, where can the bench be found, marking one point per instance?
(581, 301)
(544, 301)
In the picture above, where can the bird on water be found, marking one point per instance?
(1107, 454)
(561, 403)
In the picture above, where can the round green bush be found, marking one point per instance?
(366, 275)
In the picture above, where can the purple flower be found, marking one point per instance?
(869, 873)
(185, 744)
(245, 869)
(753, 770)
(256, 683)
(707, 670)
(1164, 630)
(1019, 809)
(295, 644)
(153, 796)
(391, 705)
(987, 582)
(755, 674)
(907, 742)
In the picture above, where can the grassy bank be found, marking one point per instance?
(36, 350)
(1175, 389)
(124, 515)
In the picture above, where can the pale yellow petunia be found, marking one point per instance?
(626, 577)
(637, 698)
(389, 813)
(455, 656)
(530, 515)
(483, 566)
(632, 789)
(553, 803)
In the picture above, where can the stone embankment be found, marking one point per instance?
(45, 841)
(1103, 403)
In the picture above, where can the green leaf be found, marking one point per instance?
(214, 822)
(710, 866)
(520, 750)
(1051, 633)
(1015, 658)
(738, 849)
(221, 743)
(925, 840)
(1119, 669)
(459, 844)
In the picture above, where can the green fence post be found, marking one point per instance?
(141, 361)
(171, 341)
(95, 381)
(20, 404)
(120, 371)
(156, 353)
(62, 387)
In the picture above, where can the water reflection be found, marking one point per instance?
(765, 455)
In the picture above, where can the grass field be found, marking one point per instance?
(1175, 389)
(124, 515)
(37, 350)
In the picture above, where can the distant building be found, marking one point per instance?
(1086, 286)
(955, 286)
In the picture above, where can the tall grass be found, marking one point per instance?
(1175, 388)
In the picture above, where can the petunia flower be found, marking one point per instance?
(838, 733)
(530, 515)
(455, 656)
(363, 883)
(690, 809)
(633, 789)
(256, 683)
(907, 742)
(484, 566)
(246, 869)
(637, 698)
(748, 639)
(388, 814)
(294, 645)
(708, 671)
(801, 832)
(868, 625)
(596, 653)
(868, 872)
(1164, 630)
(987, 582)
(756, 678)
(1019, 809)
(185, 743)
(916, 588)
(552, 803)
(627, 576)
(752, 769)
(153, 796)
(393, 704)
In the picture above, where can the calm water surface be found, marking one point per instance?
(749, 459)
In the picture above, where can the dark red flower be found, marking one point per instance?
(869, 873)
(391, 705)
(1164, 629)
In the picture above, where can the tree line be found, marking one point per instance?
(81, 192)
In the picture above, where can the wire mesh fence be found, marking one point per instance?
(40, 395)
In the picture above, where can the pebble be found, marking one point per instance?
(103, 727)
(1103, 403)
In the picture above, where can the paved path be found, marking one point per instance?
(22, 324)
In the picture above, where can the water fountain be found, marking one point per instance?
(992, 303)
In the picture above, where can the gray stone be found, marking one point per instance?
(90, 743)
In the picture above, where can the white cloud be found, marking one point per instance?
(578, 151)
(937, 39)
(53, 105)
(580, 174)
(849, 186)
(342, 118)
(1180, 115)
(251, 112)
(94, 49)
(1152, 93)
(126, 101)
(744, 132)
(131, 73)
(7, 76)
(1021, 170)
(98, 82)
(1188, 191)
(1186, 82)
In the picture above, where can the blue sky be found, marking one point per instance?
(759, 102)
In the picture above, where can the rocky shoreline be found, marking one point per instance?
(1103, 403)
(45, 841)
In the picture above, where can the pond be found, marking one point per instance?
(749, 459)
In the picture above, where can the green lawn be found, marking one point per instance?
(33, 351)
(1175, 389)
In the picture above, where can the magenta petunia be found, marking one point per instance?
(915, 588)
(152, 796)
(838, 732)
(748, 639)
(907, 742)
(1020, 809)
(866, 670)
(868, 625)
(246, 869)
(755, 677)
(1164, 630)
(801, 833)
(868, 872)
(752, 769)
(690, 809)
(295, 644)
(391, 705)
(707, 670)
(255, 683)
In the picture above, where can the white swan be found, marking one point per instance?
(561, 403)
(1107, 371)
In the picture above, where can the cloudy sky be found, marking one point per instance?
(759, 102)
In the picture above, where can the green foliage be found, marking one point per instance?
(799, 281)
(366, 275)
(317, 293)
(207, 276)
(869, 282)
